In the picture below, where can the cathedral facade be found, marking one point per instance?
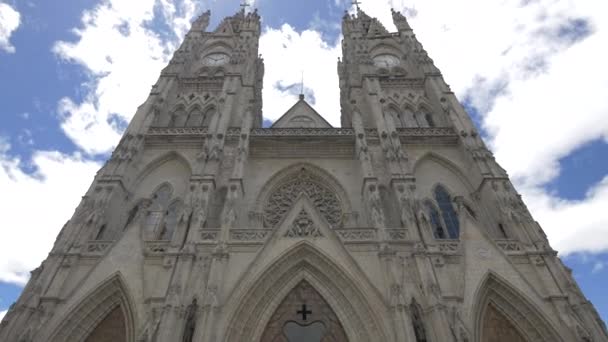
(206, 227)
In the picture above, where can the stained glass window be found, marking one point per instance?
(450, 218)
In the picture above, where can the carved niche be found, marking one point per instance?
(285, 195)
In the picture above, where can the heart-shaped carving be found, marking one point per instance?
(304, 333)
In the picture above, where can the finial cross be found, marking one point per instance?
(356, 3)
(245, 4)
(304, 312)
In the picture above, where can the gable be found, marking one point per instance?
(301, 115)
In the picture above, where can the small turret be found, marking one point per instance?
(400, 21)
(202, 22)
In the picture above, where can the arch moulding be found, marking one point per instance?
(253, 305)
(283, 176)
(519, 310)
(84, 317)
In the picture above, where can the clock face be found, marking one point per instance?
(216, 59)
(386, 61)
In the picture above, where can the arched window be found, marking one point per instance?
(179, 118)
(408, 118)
(396, 117)
(209, 114)
(450, 218)
(437, 226)
(195, 118)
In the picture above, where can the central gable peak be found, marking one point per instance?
(301, 115)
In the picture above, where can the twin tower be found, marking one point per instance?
(397, 227)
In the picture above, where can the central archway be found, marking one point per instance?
(304, 316)
(360, 312)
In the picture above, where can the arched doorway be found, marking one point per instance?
(304, 316)
(111, 329)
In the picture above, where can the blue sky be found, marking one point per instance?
(72, 74)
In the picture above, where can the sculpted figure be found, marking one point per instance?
(190, 325)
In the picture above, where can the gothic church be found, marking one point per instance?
(398, 226)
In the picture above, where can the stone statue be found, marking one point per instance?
(190, 321)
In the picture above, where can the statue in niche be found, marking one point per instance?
(417, 323)
(190, 325)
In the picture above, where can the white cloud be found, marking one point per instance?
(9, 22)
(287, 54)
(598, 267)
(2, 314)
(36, 207)
(124, 57)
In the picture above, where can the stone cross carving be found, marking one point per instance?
(304, 312)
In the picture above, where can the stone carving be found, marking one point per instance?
(97, 247)
(190, 325)
(375, 205)
(209, 235)
(283, 198)
(417, 322)
(303, 227)
(450, 247)
(397, 234)
(509, 245)
(357, 234)
(249, 234)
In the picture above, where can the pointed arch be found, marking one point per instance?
(255, 305)
(160, 161)
(498, 298)
(327, 184)
(195, 116)
(90, 312)
(394, 113)
(446, 163)
(409, 114)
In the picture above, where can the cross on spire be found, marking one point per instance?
(304, 312)
(356, 3)
(244, 5)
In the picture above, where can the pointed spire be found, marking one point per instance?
(202, 22)
(400, 21)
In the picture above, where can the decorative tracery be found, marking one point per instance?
(284, 197)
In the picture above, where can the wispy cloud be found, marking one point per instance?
(9, 22)
(123, 54)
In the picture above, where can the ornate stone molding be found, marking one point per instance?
(299, 132)
(357, 234)
(177, 131)
(249, 235)
(209, 235)
(305, 183)
(97, 248)
(156, 247)
(397, 234)
(449, 246)
(510, 246)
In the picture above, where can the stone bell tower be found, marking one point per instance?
(205, 227)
